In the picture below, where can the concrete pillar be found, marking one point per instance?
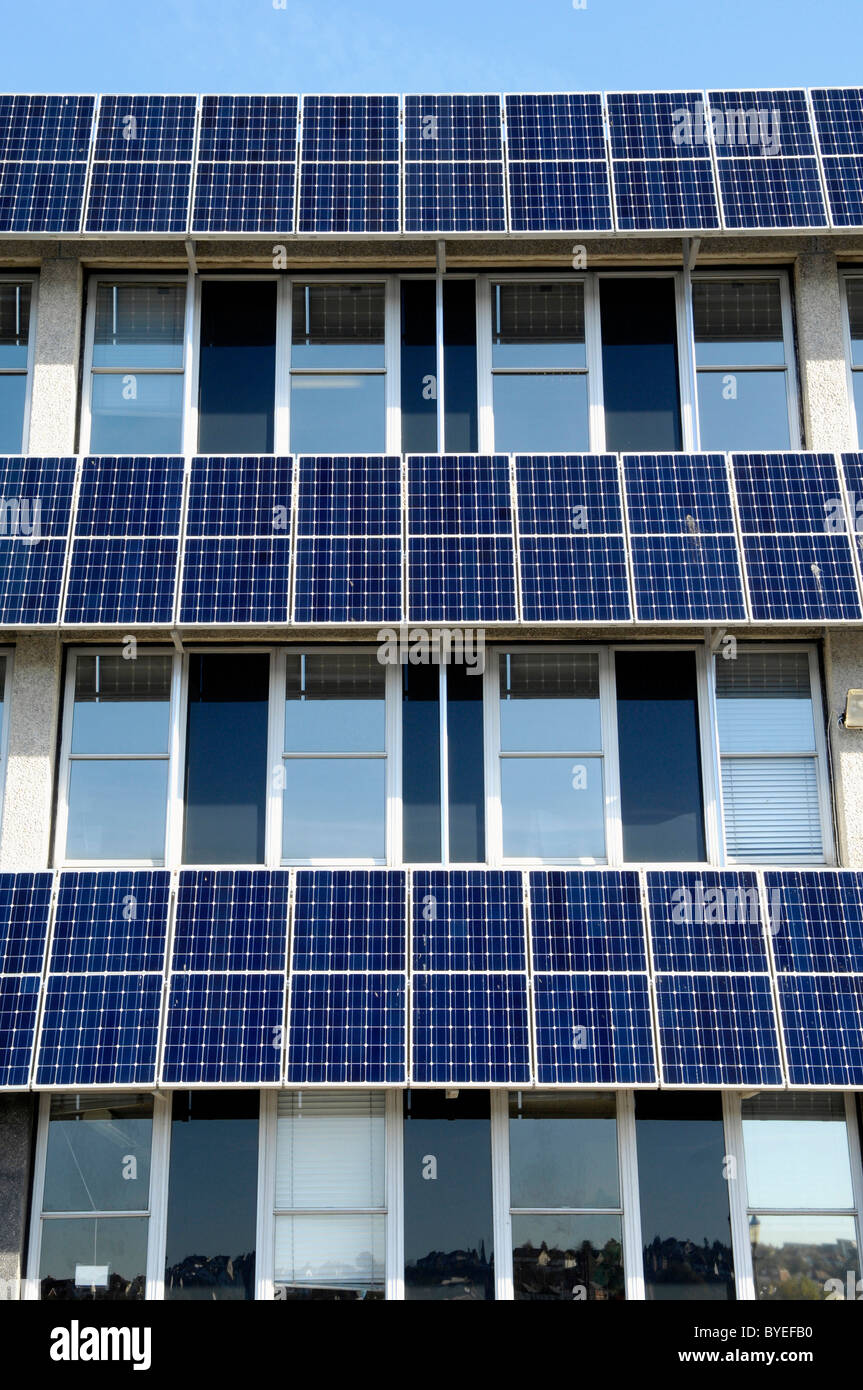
(53, 407)
(844, 671)
(33, 715)
(17, 1114)
(821, 348)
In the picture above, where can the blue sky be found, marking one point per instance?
(425, 45)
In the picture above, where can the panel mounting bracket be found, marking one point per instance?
(714, 637)
(190, 255)
(177, 641)
(691, 245)
(440, 257)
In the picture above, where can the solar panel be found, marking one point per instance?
(349, 174)
(799, 564)
(453, 127)
(717, 1030)
(44, 147)
(244, 198)
(839, 124)
(37, 496)
(25, 904)
(453, 164)
(137, 129)
(224, 1029)
(657, 125)
(99, 1030)
(822, 1019)
(141, 175)
(819, 921)
(566, 494)
(593, 1030)
(347, 1028)
(349, 552)
(556, 166)
(19, 1007)
(766, 159)
(41, 197)
(586, 920)
(236, 555)
(555, 126)
(231, 920)
(111, 921)
(349, 920)
(706, 920)
(468, 919)
(844, 179)
(470, 1029)
(125, 545)
(663, 176)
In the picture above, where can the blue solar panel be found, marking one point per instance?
(766, 123)
(19, 1006)
(348, 580)
(99, 1030)
(37, 494)
(111, 921)
(706, 919)
(822, 1019)
(244, 198)
(231, 919)
(248, 129)
(468, 919)
(657, 125)
(555, 126)
(771, 193)
(673, 194)
(578, 579)
(138, 198)
(717, 1030)
(459, 495)
(586, 920)
(45, 127)
(30, 582)
(230, 496)
(348, 198)
(129, 497)
(25, 903)
(839, 119)
(844, 179)
(347, 1029)
(349, 920)
(593, 1030)
(349, 496)
(568, 494)
(41, 197)
(565, 196)
(132, 129)
(224, 1028)
(852, 474)
(454, 197)
(44, 147)
(677, 494)
(785, 493)
(465, 579)
(819, 921)
(341, 129)
(470, 1028)
(453, 127)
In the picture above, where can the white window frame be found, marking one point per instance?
(67, 758)
(819, 755)
(846, 274)
(790, 362)
(31, 279)
(191, 339)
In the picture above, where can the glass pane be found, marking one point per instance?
(334, 808)
(563, 1150)
(660, 758)
(338, 326)
(122, 706)
(541, 412)
(738, 323)
(553, 808)
(459, 366)
(104, 1259)
(549, 702)
(136, 414)
(330, 1150)
(793, 1257)
(743, 410)
(465, 761)
(139, 326)
(538, 325)
(13, 394)
(764, 703)
(772, 810)
(117, 810)
(342, 1251)
(854, 289)
(639, 364)
(14, 323)
(338, 414)
(797, 1152)
(419, 367)
(335, 703)
(226, 759)
(421, 794)
(857, 382)
(237, 380)
(685, 1222)
(98, 1156)
(448, 1234)
(212, 1196)
(571, 1258)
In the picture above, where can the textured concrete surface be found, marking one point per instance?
(821, 349)
(17, 1115)
(33, 715)
(843, 662)
(53, 411)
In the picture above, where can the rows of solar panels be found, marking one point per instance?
(686, 161)
(383, 977)
(494, 539)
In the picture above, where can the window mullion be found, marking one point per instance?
(633, 1257)
(501, 1212)
(735, 1165)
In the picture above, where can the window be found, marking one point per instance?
(17, 310)
(237, 369)
(744, 394)
(338, 369)
(330, 1195)
(539, 367)
(640, 381)
(566, 1213)
(443, 765)
(118, 743)
(771, 764)
(854, 301)
(802, 1222)
(95, 1203)
(137, 334)
(551, 761)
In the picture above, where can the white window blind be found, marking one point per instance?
(772, 813)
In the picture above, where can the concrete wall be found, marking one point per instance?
(53, 409)
(821, 349)
(843, 653)
(34, 709)
(17, 1115)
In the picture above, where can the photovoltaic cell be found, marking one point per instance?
(656, 125)
(231, 920)
(706, 920)
(822, 1018)
(25, 904)
(125, 547)
(138, 129)
(717, 1030)
(844, 179)
(349, 920)
(586, 920)
(348, 1029)
(593, 1030)
(111, 921)
(566, 494)
(470, 1029)
(766, 159)
(142, 164)
(37, 493)
(454, 164)
(341, 129)
(99, 1030)
(244, 198)
(234, 496)
(839, 124)
(349, 174)
(224, 1029)
(468, 920)
(19, 1006)
(557, 170)
(41, 197)
(349, 496)
(819, 921)
(663, 177)
(44, 147)
(248, 129)
(463, 495)
(555, 126)
(762, 123)
(453, 127)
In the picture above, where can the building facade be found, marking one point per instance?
(431, 860)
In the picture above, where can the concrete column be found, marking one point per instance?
(17, 1115)
(821, 348)
(55, 366)
(33, 715)
(844, 671)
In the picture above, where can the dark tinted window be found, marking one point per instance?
(419, 367)
(639, 364)
(459, 370)
(421, 764)
(237, 385)
(465, 766)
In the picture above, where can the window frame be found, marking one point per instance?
(788, 347)
(30, 278)
(847, 273)
(5, 711)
